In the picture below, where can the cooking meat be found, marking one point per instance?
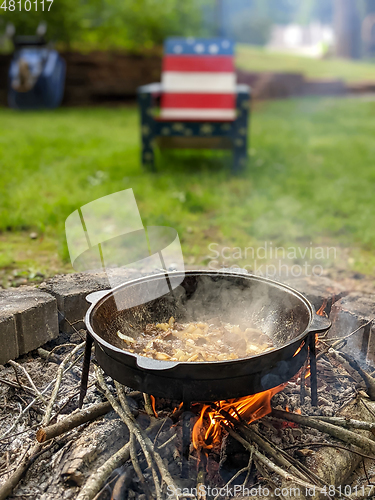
(216, 341)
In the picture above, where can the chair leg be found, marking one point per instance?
(240, 132)
(239, 155)
(148, 156)
(147, 130)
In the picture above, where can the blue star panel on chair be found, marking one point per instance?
(200, 103)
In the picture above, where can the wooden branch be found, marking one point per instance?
(142, 436)
(47, 356)
(74, 420)
(137, 468)
(348, 423)
(9, 485)
(271, 465)
(60, 372)
(365, 494)
(268, 463)
(319, 444)
(369, 381)
(266, 447)
(28, 459)
(165, 474)
(125, 417)
(283, 458)
(96, 481)
(33, 386)
(237, 474)
(147, 447)
(338, 432)
(30, 405)
(333, 464)
(148, 405)
(280, 456)
(336, 355)
(26, 388)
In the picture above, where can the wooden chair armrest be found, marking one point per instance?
(155, 89)
(243, 89)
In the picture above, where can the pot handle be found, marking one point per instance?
(319, 324)
(155, 364)
(94, 297)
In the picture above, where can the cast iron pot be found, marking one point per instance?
(285, 315)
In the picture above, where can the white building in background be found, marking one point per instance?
(311, 41)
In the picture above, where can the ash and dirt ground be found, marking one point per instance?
(336, 388)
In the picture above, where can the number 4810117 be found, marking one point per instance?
(27, 5)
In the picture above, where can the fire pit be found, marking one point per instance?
(279, 311)
(235, 444)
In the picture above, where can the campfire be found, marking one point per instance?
(207, 430)
(308, 436)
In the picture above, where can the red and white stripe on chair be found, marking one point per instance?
(198, 80)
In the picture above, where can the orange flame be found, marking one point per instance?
(320, 311)
(291, 425)
(153, 405)
(177, 408)
(207, 429)
(299, 349)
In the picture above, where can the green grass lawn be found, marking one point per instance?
(309, 181)
(260, 59)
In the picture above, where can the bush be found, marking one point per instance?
(64, 20)
(130, 24)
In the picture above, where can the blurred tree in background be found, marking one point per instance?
(250, 21)
(129, 24)
(315, 10)
(138, 25)
(247, 28)
(64, 20)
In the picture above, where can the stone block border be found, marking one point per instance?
(28, 319)
(32, 316)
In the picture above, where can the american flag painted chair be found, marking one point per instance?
(200, 103)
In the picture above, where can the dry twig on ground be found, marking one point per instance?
(16, 367)
(151, 455)
(74, 420)
(99, 477)
(348, 423)
(8, 486)
(338, 432)
(60, 372)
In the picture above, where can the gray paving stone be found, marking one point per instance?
(8, 337)
(70, 291)
(28, 319)
(350, 313)
(318, 289)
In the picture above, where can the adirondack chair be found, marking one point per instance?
(200, 104)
